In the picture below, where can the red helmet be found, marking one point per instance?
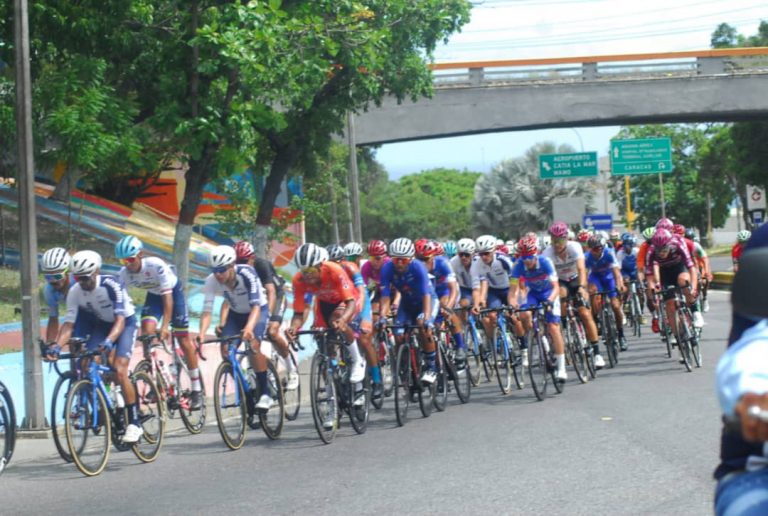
(425, 248)
(377, 248)
(243, 251)
(678, 229)
(583, 236)
(438, 248)
(559, 230)
(503, 249)
(528, 245)
(661, 238)
(665, 223)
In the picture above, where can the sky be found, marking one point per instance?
(525, 29)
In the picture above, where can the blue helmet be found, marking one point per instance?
(128, 247)
(627, 239)
(449, 248)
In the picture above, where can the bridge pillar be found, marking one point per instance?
(710, 65)
(589, 71)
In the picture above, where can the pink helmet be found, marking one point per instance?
(661, 238)
(665, 223)
(559, 230)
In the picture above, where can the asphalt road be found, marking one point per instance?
(641, 438)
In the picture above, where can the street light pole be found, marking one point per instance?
(30, 309)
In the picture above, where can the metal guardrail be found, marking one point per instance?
(732, 61)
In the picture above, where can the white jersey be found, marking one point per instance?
(497, 274)
(106, 301)
(155, 276)
(463, 275)
(566, 267)
(248, 291)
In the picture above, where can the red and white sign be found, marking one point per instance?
(755, 198)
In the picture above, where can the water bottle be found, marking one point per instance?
(172, 372)
(545, 342)
(117, 393)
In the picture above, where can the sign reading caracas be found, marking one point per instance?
(641, 156)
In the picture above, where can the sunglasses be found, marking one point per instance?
(53, 278)
(130, 259)
(559, 240)
(220, 270)
(486, 253)
(527, 257)
(377, 258)
(465, 255)
(401, 261)
(310, 270)
(83, 278)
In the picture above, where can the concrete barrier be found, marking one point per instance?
(722, 280)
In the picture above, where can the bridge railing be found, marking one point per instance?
(730, 61)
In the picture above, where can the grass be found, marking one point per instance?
(10, 295)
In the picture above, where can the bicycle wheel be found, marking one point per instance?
(537, 365)
(403, 383)
(272, 419)
(322, 391)
(425, 392)
(12, 423)
(440, 400)
(609, 328)
(485, 353)
(666, 333)
(88, 428)
(695, 342)
(151, 416)
(387, 362)
(58, 414)
(382, 351)
(684, 335)
(575, 351)
(292, 397)
(577, 326)
(473, 355)
(229, 401)
(194, 420)
(461, 378)
(5, 435)
(636, 316)
(500, 357)
(358, 415)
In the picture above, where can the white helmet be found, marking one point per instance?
(466, 245)
(353, 249)
(85, 262)
(510, 243)
(546, 240)
(402, 248)
(485, 243)
(571, 235)
(55, 260)
(221, 256)
(309, 255)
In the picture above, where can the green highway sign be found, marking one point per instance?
(559, 166)
(641, 156)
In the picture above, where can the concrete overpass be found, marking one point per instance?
(483, 97)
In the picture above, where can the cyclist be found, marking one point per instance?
(542, 285)
(273, 285)
(99, 306)
(371, 271)
(461, 265)
(446, 289)
(741, 240)
(419, 302)
(335, 305)
(605, 276)
(164, 302)
(58, 281)
(705, 270)
(627, 258)
(353, 252)
(615, 241)
(568, 259)
(245, 297)
(363, 320)
(491, 279)
(642, 254)
(675, 267)
(449, 248)
(582, 237)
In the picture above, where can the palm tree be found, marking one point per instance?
(512, 200)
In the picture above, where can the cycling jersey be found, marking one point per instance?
(54, 298)
(642, 255)
(267, 274)
(335, 287)
(372, 277)
(443, 274)
(566, 267)
(628, 262)
(155, 276)
(497, 274)
(413, 284)
(539, 279)
(603, 265)
(108, 300)
(678, 254)
(247, 292)
(736, 251)
(463, 275)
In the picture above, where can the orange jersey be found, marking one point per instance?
(641, 253)
(354, 275)
(335, 287)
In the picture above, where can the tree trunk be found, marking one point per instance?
(66, 183)
(285, 158)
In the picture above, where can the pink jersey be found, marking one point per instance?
(678, 252)
(371, 277)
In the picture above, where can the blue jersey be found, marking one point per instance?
(603, 265)
(413, 284)
(540, 278)
(444, 275)
(628, 261)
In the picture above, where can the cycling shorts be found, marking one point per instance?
(604, 283)
(324, 312)
(572, 290)
(237, 321)
(668, 276)
(534, 298)
(496, 297)
(408, 314)
(87, 324)
(465, 293)
(153, 310)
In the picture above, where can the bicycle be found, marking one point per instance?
(409, 364)
(96, 416)
(7, 427)
(633, 308)
(235, 393)
(173, 381)
(687, 340)
(384, 345)
(504, 358)
(460, 377)
(665, 330)
(608, 325)
(477, 352)
(541, 360)
(577, 348)
(291, 397)
(331, 392)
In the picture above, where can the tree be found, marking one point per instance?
(512, 199)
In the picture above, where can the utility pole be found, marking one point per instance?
(661, 197)
(354, 192)
(630, 213)
(30, 295)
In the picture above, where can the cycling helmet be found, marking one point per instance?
(627, 240)
(55, 260)
(402, 248)
(449, 248)
(678, 229)
(531, 234)
(335, 252)
(690, 234)
(665, 223)
(309, 255)
(221, 256)
(559, 230)
(743, 235)
(528, 245)
(648, 232)
(466, 245)
(377, 248)
(353, 249)
(485, 243)
(503, 249)
(546, 240)
(128, 247)
(439, 247)
(244, 250)
(425, 248)
(583, 235)
(661, 238)
(602, 234)
(615, 236)
(571, 234)
(85, 262)
(596, 241)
